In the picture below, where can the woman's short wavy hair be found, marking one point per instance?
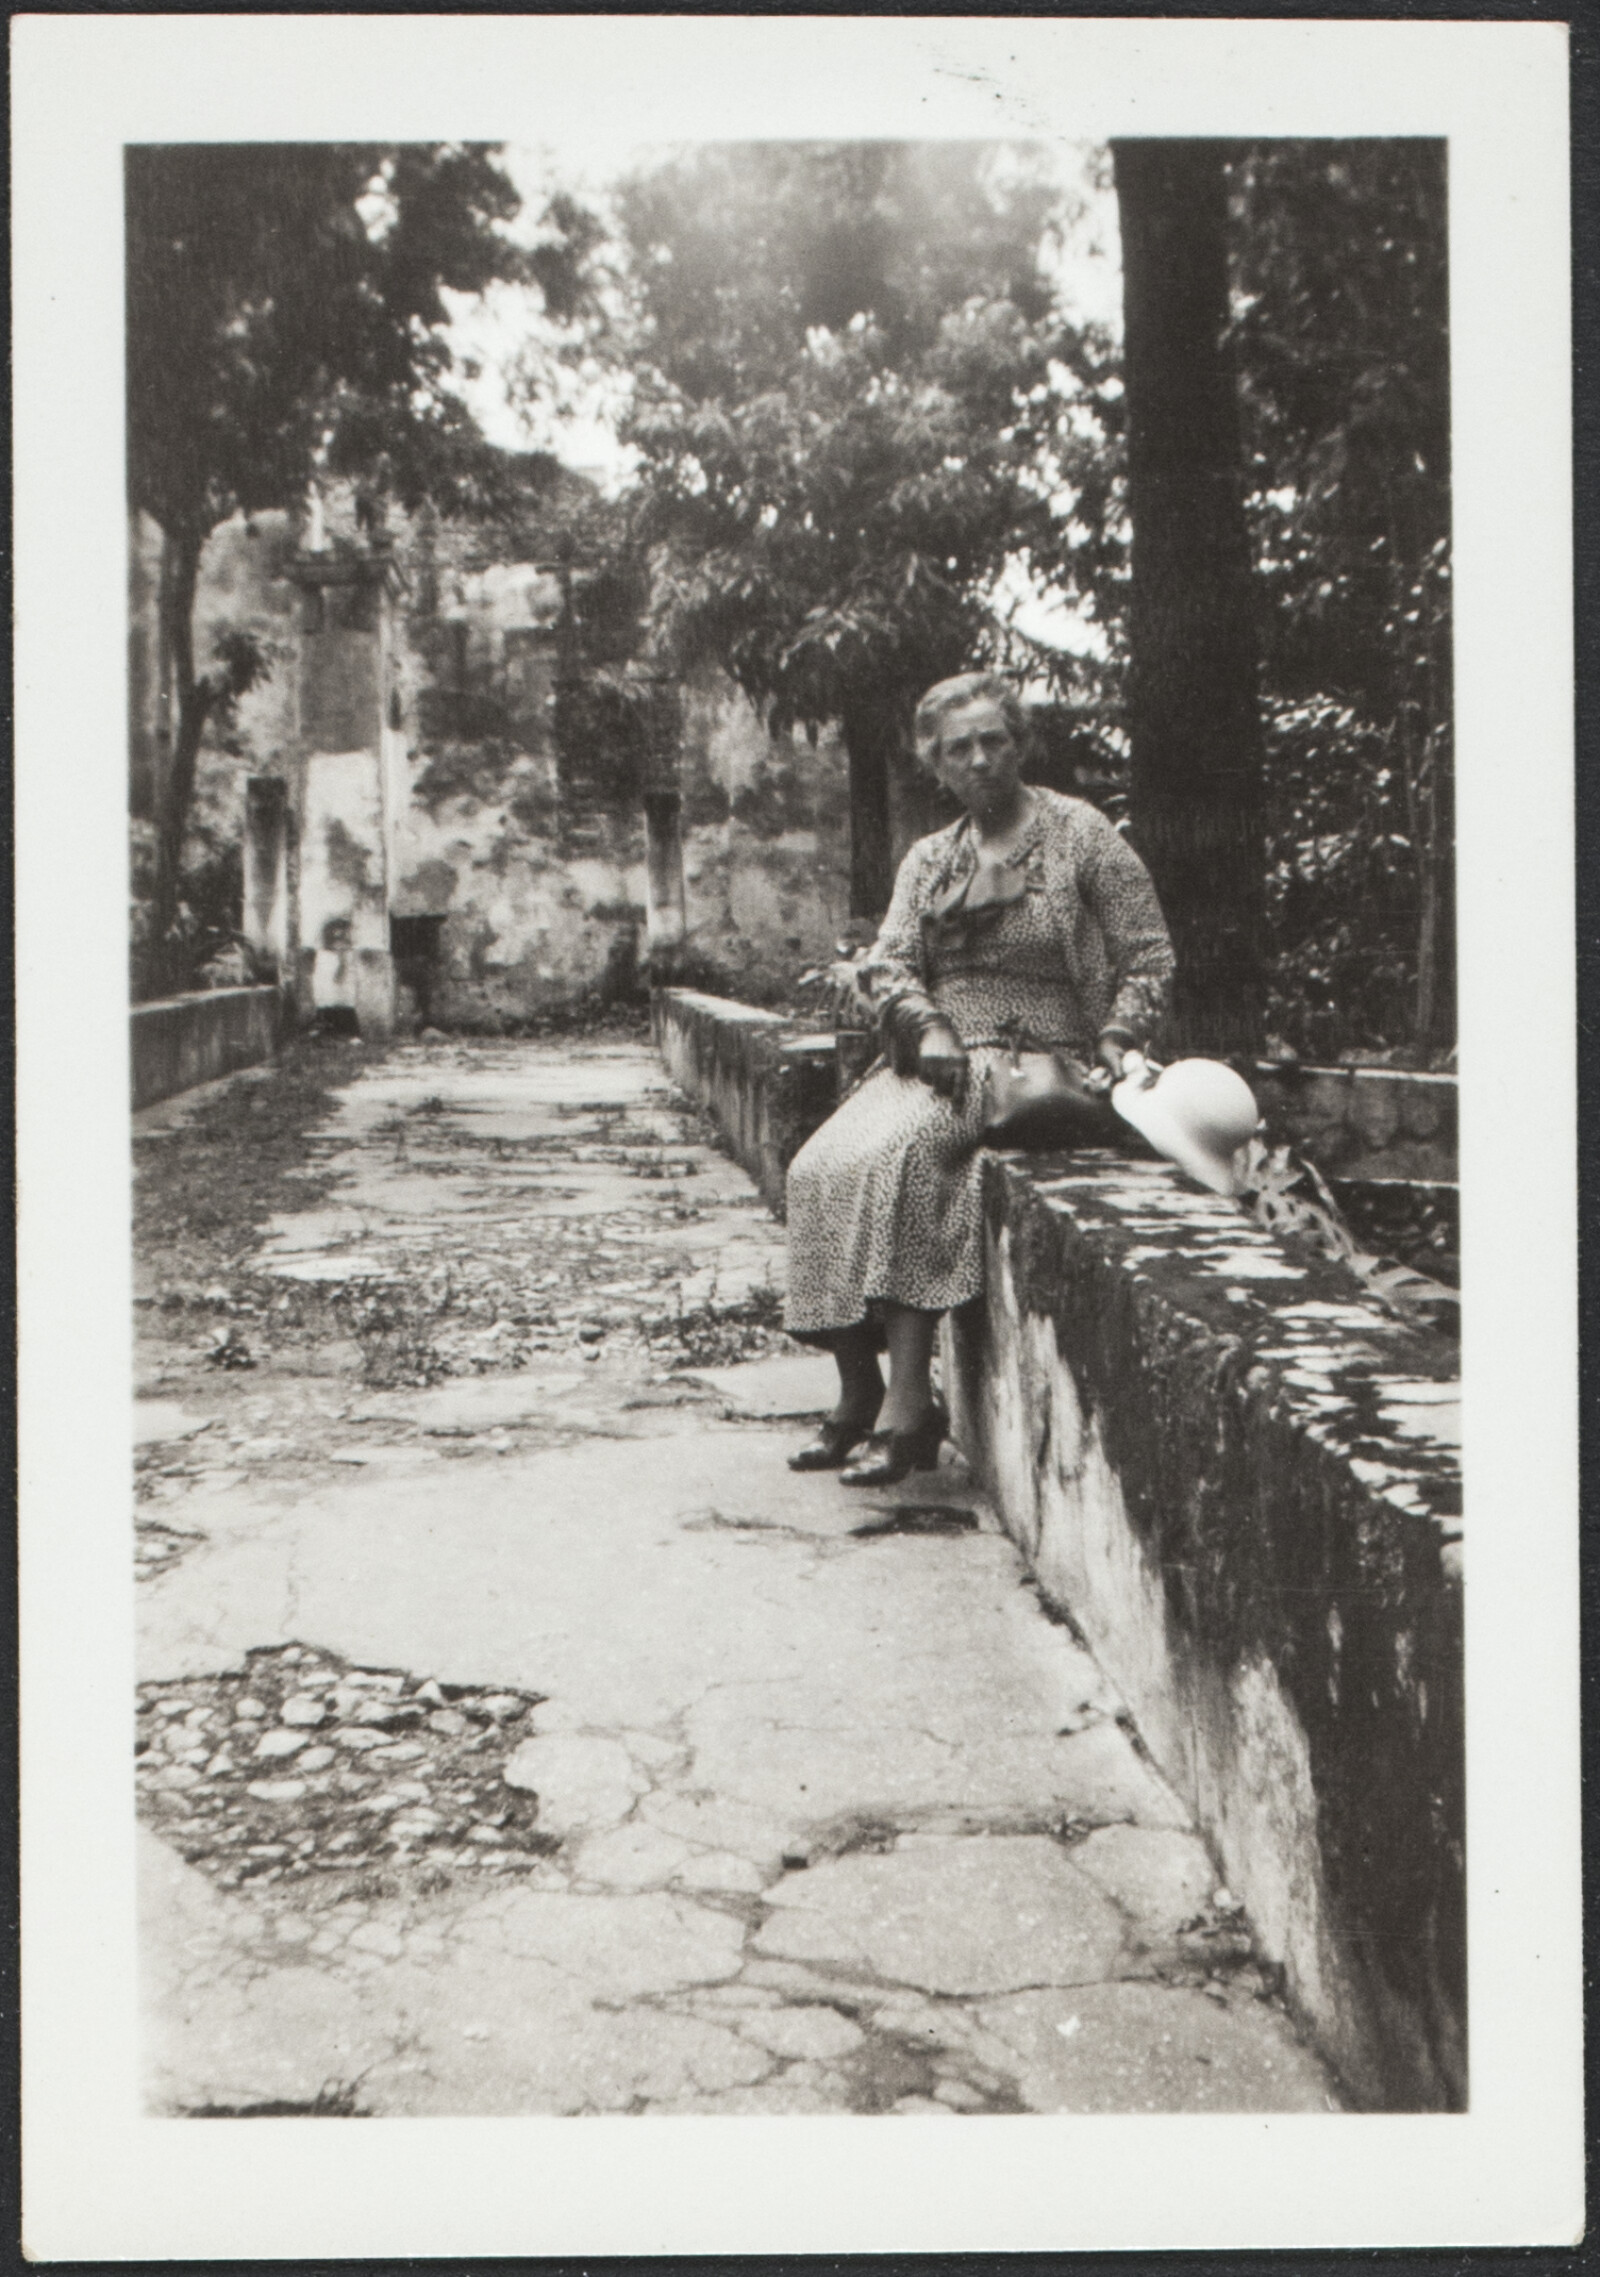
(967, 688)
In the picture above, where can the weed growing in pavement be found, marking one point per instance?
(334, 2099)
(718, 1336)
(395, 1325)
(203, 1189)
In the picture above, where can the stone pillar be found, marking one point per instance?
(266, 915)
(666, 911)
(346, 788)
(666, 902)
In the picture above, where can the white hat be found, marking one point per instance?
(1196, 1112)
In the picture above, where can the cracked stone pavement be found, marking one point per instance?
(829, 1815)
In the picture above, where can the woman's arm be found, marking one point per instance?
(895, 962)
(916, 1036)
(1116, 885)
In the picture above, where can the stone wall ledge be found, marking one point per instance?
(179, 1041)
(1355, 1123)
(1382, 1394)
(768, 1080)
(1241, 1481)
(1363, 1122)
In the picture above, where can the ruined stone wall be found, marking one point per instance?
(539, 895)
(518, 891)
(766, 844)
(539, 880)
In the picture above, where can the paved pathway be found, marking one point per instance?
(534, 1741)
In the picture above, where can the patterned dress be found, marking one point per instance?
(1062, 941)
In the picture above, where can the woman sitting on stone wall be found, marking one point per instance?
(1029, 921)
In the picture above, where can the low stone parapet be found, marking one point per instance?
(768, 1081)
(1243, 1485)
(1241, 1481)
(1357, 1124)
(180, 1041)
(1383, 1123)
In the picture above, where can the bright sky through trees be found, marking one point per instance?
(575, 417)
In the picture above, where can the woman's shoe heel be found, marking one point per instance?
(896, 1453)
(830, 1449)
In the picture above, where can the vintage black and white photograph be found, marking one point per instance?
(792, 939)
(685, 1565)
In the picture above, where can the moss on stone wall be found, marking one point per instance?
(1277, 1483)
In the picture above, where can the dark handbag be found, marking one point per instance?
(1038, 1099)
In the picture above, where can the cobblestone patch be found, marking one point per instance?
(302, 1765)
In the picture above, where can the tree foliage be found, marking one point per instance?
(836, 534)
(287, 311)
(1341, 334)
(857, 408)
(850, 394)
(286, 306)
(1339, 339)
(855, 402)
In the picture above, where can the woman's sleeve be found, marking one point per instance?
(894, 971)
(1117, 887)
(895, 965)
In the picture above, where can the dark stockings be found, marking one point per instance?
(860, 1377)
(909, 1335)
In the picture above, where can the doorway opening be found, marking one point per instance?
(417, 946)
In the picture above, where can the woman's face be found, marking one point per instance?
(978, 761)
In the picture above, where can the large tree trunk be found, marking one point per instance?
(192, 702)
(869, 738)
(1197, 804)
(1431, 769)
(918, 801)
(1433, 838)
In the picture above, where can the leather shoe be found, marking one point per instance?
(830, 1449)
(893, 1453)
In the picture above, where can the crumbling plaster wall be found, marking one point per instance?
(537, 905)
(542, 893)
(766, 843)
(539, 888)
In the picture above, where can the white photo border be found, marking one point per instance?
(104, 2182)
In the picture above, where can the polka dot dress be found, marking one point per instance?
(884, 1201)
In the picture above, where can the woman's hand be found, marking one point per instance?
(839, 987)
(941, 1061)
(1112, 1052)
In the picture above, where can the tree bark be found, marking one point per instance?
(1197, 803)
(918, 801)
(193, 700)
(1433, 839)
(1435, 843)
(869, 737)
